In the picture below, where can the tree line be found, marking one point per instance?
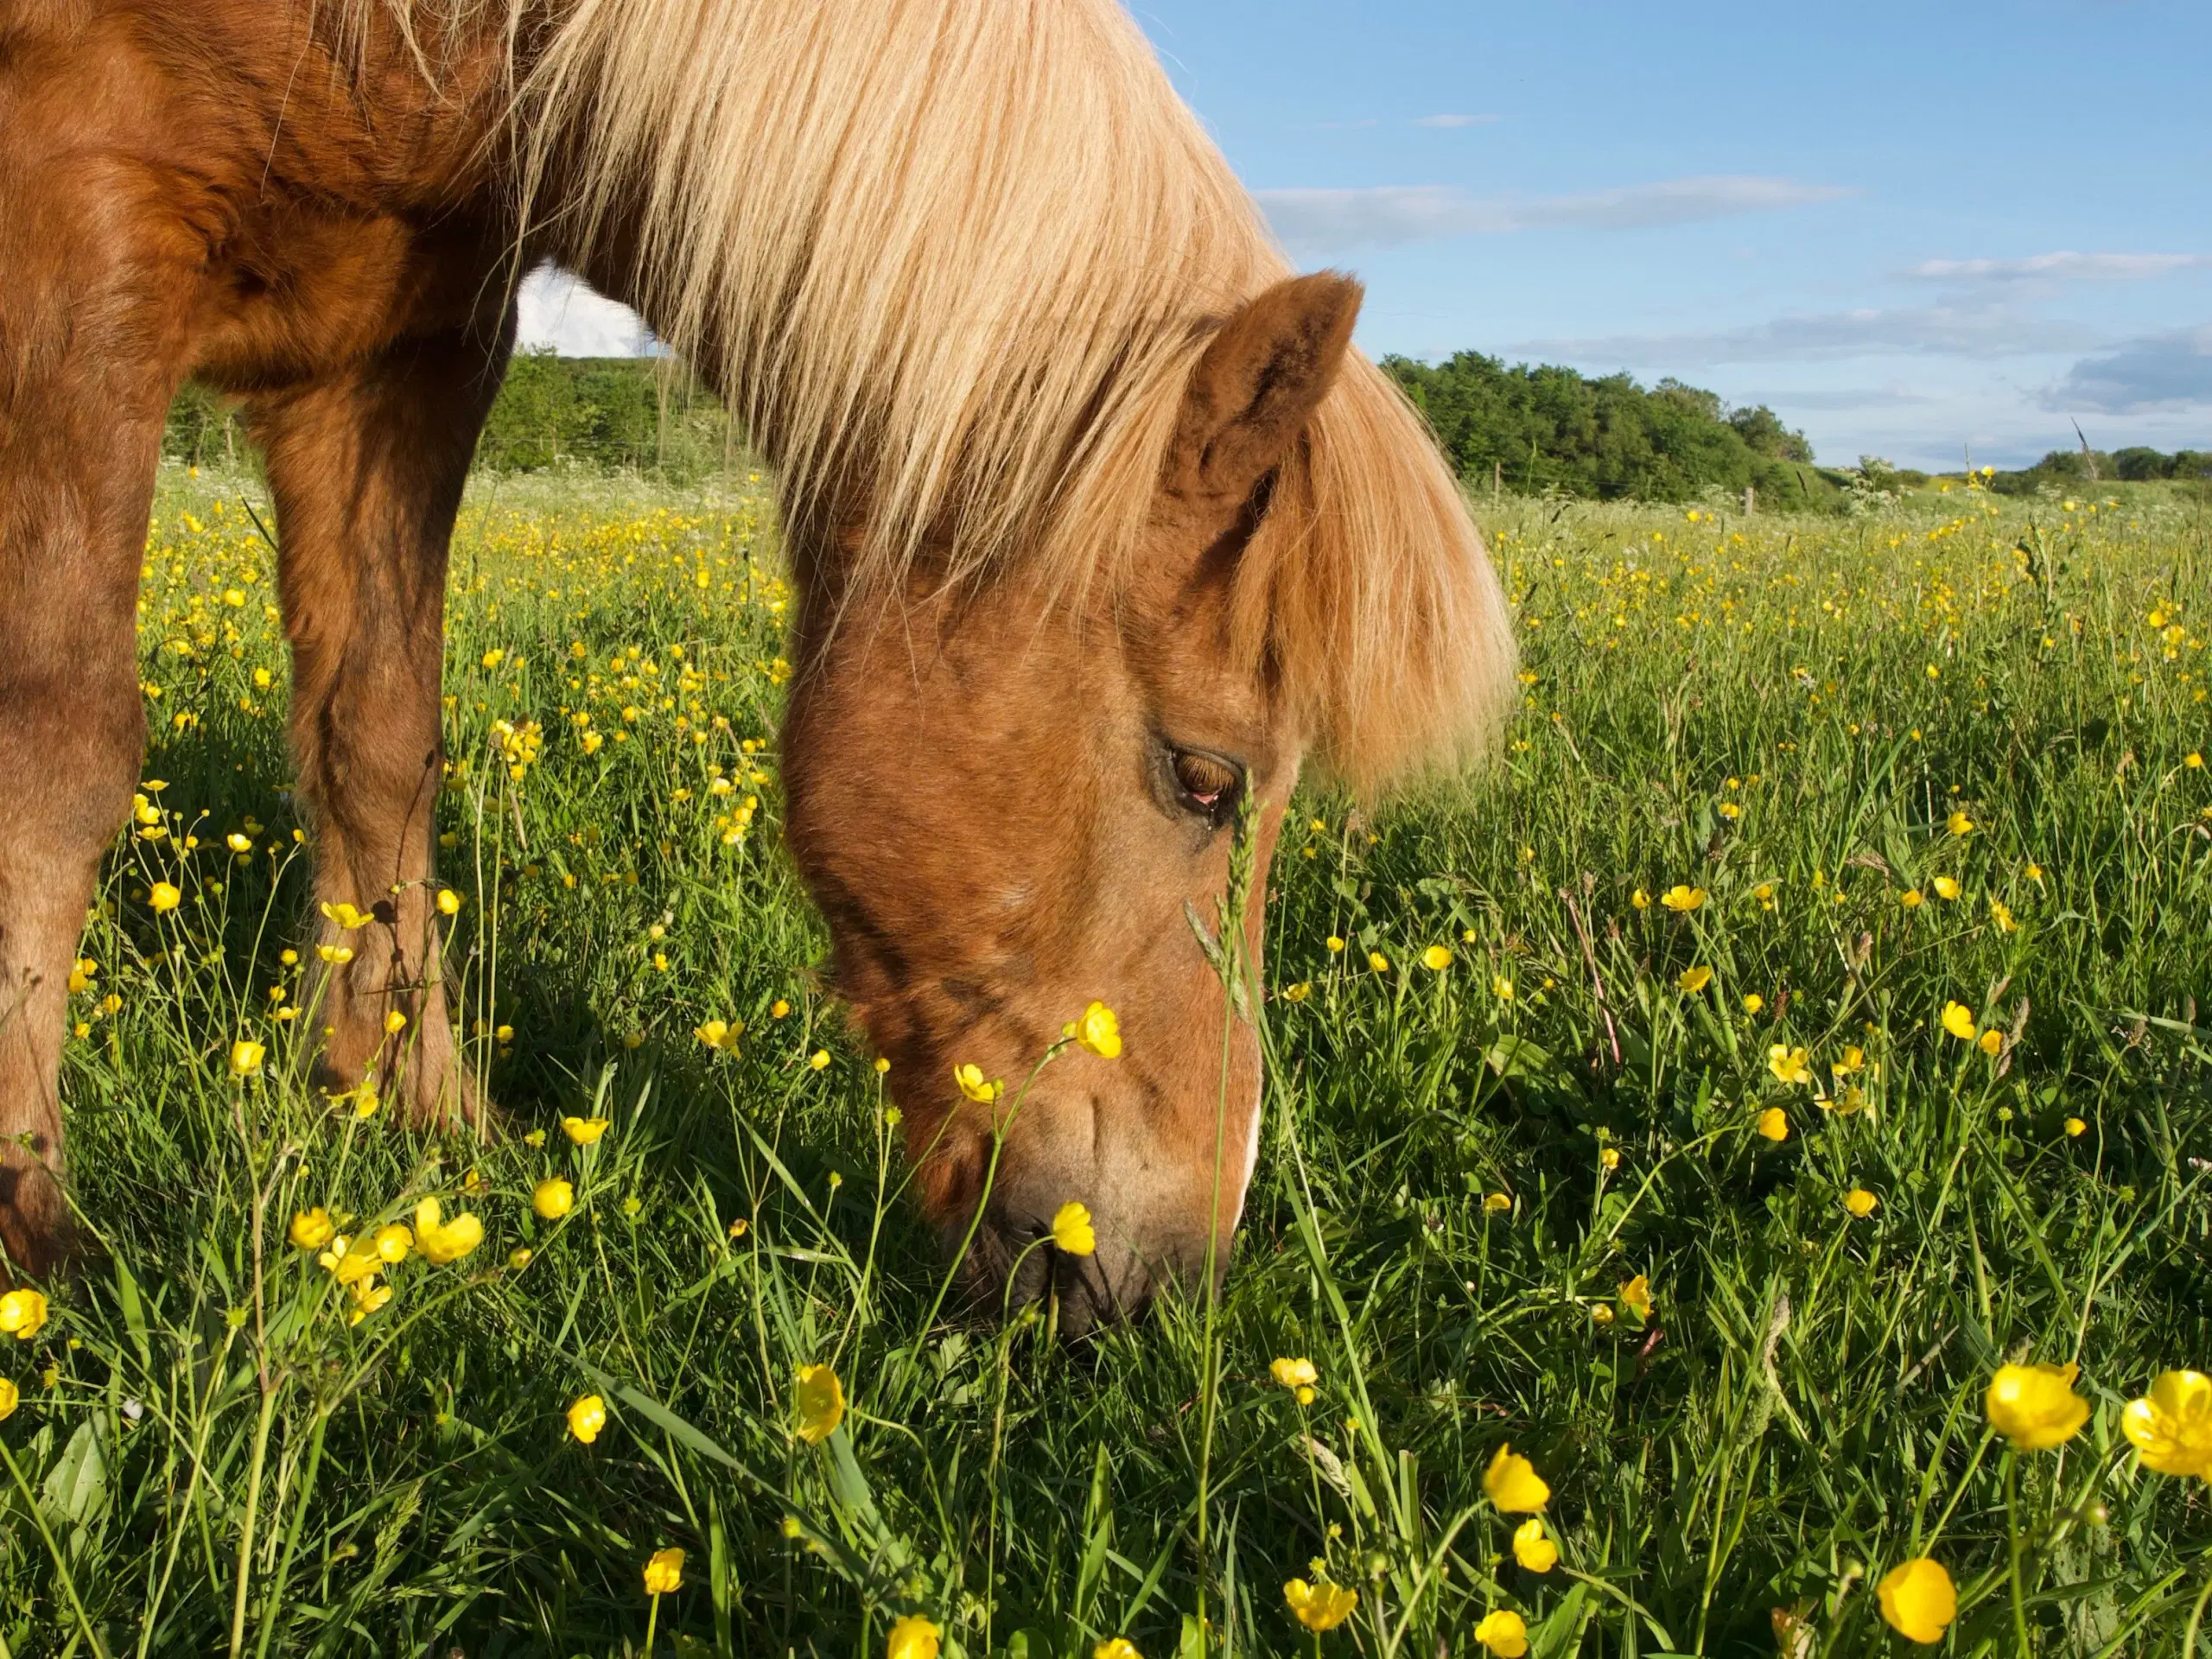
(1542, 429)
(1534, 430)
(644, 415)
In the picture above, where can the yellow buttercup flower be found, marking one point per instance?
(821, 1403)
(1504, 1632)
(393, 1242)
(441, 1241)
(1911, 898)
(1072, 1234)
(347, 916)
(312, 1228)
(1959, 1020)
(974, 1085)
(22, 1314)
(1753, 1002)
(1694, 980)
(1436, 958)
(714, 1033)
(2076, 1126)
(1501, 987)
(2035, 1406)
(1099, 1031)
(1119, 1647)
(246, 1056)
(1774, 1123)
(1918, 1601)
(448, 902)
(165, 895)
(1861, 1203)
(1682, 899)
(585, 1131)
(1609, 1157)
(351, 1262)
(552, 1198)
(1378, 961)
(1789, 1065)
(9, 1397)
(913, 1637)
(1959, 825)
(1635, 1296)
(1853, 1061)
(587, 1417)
(1947, 887)
(1293, 1374)
(819, 1060)
(1640, 898)
(1532, 1549)
(665, 1573)
(368, 1296)
(2171, 1428)
(1321, 1606)
(1991, 1041)
(1513, 1485)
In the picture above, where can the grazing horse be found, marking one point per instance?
(1100, 526)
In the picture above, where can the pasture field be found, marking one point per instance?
(1781, 793)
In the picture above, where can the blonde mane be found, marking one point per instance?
(956, 259)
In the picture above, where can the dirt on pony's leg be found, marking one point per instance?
(367, 471)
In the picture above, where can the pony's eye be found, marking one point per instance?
(1210, 785)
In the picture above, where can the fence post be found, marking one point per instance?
(1750, 499)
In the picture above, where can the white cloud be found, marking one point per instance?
(1453, 120)
(1947, 330)
(2158, 372)
(2061, 267)
(1323, 221)
(1896, 395)
(558, 309)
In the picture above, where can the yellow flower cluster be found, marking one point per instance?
(360, 1261)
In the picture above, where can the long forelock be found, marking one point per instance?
(956, 259)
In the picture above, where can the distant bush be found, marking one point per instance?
(2061, 468)
(639, 414)
(615, 414)
(1546, 428)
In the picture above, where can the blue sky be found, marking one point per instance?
(1914, 230)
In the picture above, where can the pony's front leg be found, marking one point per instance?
(92, 296)
(367, 470)
(73, 529)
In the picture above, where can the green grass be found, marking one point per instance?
(205, 1444)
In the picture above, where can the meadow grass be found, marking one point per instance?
(1744, 745)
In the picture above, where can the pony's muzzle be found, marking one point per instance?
(1015, 1264)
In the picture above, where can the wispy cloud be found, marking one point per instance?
(557, 309)
(1320, 221)
(1942, 330)
(1896, 395)
(2064, 266)
(2170, 370)
(1453, 120)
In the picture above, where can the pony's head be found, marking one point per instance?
(1100, 530)
(1011, 803)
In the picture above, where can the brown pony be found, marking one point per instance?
(1100, 525)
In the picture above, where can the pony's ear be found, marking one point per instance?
(1260, 380)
